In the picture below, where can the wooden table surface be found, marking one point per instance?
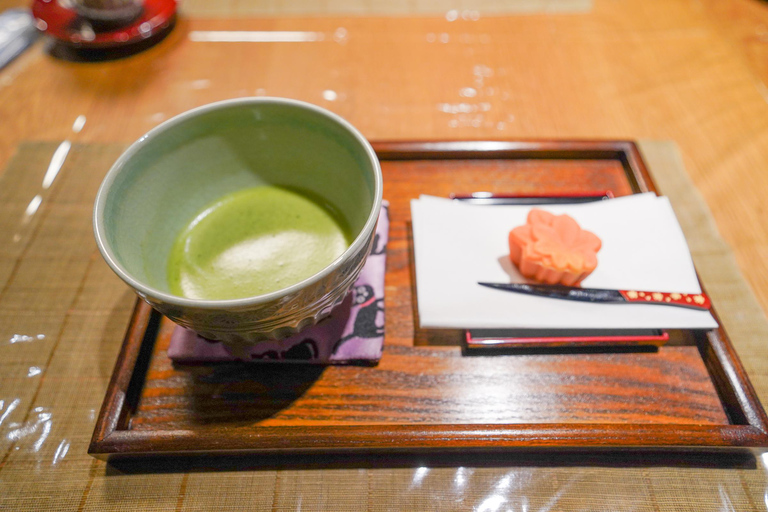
(691, 71)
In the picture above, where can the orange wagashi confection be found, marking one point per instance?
(553, 249)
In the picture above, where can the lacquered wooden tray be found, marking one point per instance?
(428, 395)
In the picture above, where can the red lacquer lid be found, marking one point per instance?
(64, 24)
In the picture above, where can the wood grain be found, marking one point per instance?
(681, 70)
(428, 385)
(693, 72)
(426, 393)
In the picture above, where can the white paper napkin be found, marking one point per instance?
(458, 244)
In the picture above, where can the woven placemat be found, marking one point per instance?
(63, 313)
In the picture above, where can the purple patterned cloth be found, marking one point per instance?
(352, 334)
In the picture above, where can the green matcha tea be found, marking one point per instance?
(253, 242)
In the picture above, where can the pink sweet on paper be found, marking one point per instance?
(553, 249)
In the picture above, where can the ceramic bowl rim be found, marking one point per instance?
(232, 304)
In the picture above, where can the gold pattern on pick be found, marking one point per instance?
(632, 295)
(676, 296)
(657, 296)
(642, 294)
(698, 299)
(687, 299)
(667, 300)
(648, 297)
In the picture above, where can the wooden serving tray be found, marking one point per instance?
(428, 395)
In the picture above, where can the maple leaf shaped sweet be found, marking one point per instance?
(553, 249)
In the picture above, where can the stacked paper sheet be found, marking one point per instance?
(458, 244)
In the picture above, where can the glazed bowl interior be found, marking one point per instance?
(172, 173)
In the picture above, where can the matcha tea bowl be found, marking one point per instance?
(244, 220)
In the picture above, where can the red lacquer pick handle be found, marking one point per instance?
(691, 300)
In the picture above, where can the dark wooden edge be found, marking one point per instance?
(112, 437)
(736, 392)
(440, 438)
(125, 385)
(625, 151)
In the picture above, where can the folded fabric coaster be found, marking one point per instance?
(352, 334)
